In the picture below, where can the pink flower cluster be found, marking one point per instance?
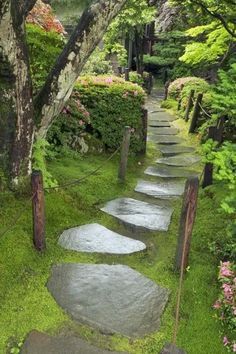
(226, 304)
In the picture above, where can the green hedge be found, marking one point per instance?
(112, 104)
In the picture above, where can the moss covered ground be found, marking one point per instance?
(25, 303)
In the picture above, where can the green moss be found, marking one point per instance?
(25, 302)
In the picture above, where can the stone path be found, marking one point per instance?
(116, 298)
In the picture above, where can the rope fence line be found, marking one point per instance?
(203, 109)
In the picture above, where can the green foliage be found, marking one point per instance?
(188, 83)
(136, 78)
(44, 48)
(97, 64)
(113, 104)
(40, 153)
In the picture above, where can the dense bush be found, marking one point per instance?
(112, 104)
(188, 83)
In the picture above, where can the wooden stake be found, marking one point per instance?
(208, 169)
(38, 210)
(126, 74)
(187, 219)
(196, 113)
(189, 105)
(124, 154)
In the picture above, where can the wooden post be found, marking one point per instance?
(119, 68)
(38, 210)
(126, 74)
(220, 129)
(208, 169)
(196, 113)
(124, 154)
(145, 128)
(180, 99)
(187, 219)
(189, 105)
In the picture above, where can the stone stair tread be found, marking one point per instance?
(97, 238)
(111, 298)
(169, 172)
(162, 116)
(139, 214)
(180, 160)
(154, 124)
(174, 149)
(165, 139)
(165, 190)
(163, 131)
(41, 343)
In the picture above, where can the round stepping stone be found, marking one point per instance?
(169, 171)
(165, 139)
(140, 214)
(97, 238)
(180, 160)
(112, 298)
(154, 124)
(172, 349)
(174, 149)
(163, 117)
(164, 131)
(40, 343)
(160, 190)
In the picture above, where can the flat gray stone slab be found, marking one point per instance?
(172, 349)
(162, 116)
(155, 124)
(40, 343)
(112, 298)
(165, 139)
(158, 110)
(97, 238)
(164, 131)
(140, 214)
(169, 172)
(175, 149)
(180, 160)
(160, 190)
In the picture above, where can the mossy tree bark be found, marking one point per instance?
(17, 108)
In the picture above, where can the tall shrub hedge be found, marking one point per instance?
(113, 104)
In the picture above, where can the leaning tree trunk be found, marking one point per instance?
(83, 41)
(16, 114)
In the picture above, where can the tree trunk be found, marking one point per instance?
(16, 120)
(83, 41)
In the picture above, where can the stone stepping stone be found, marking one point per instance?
(164, 131)
(140, 214)
(155, 124)
(180, 160)
(169, 172)
(40, 343)
(172, 349)
(97, 238)
(160, 190)
(165, 139)
(157, 110)
(174, 149)
(112, 298)
(163, 117)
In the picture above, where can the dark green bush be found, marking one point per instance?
(113, 104)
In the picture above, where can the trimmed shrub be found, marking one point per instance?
(188, 83)
(112, 104)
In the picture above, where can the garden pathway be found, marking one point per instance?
(116, 298)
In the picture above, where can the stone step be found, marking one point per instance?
(155, 124)
(111, 298)
(40, 343)
(97, 238)
(180, 160)
(163, 131)
(163, 190)
(165, 139)
(169, 172)
(140, 214)
(162, 116)
(173, 150)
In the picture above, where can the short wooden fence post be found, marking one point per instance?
(187, 219)
(145, 129)
(180, 99)
(189, 105)
(126, 74)
(119, 70)
(196, 113)
(208, 169)
(124, 154)
(38, 205)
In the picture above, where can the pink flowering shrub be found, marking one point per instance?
(226, 303)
